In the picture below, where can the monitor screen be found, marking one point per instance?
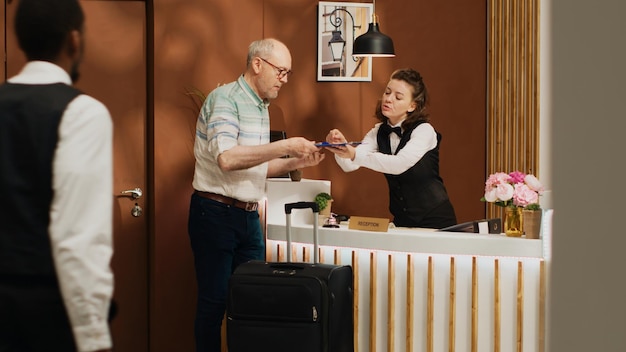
(276, 135)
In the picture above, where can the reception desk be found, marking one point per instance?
(423, 290)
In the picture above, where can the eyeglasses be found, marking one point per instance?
(282, 72)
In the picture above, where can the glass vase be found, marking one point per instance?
(513, 222)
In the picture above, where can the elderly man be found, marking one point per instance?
(234, 156)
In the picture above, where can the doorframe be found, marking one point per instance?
(150, 169)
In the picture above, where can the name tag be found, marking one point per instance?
(368, 224)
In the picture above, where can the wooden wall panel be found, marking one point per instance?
(513, 89)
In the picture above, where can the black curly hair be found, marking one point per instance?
(42, 26)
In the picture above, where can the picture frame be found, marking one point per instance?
(337, 22)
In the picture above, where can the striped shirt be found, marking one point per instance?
(232, 114)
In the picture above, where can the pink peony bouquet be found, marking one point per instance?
(514, 189)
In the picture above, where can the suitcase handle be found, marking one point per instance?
(287, 266)
(287, 269)
(302, 205)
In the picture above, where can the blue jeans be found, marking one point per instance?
(222, 237)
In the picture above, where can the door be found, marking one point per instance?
(114, 72)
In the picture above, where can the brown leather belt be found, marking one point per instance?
(247, 206)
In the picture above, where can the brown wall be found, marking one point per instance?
(202, 43)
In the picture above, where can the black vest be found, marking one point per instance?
(417, 191)
(29, 122)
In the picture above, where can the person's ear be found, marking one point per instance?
(256, 64)
(74, 45)
(412, 107)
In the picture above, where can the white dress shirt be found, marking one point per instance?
(423, 139)
(81, 211)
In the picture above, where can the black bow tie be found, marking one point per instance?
(388, 129)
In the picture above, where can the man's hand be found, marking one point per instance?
(311, 159)
(279, 166)
(299, 147)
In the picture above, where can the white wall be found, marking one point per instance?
(588, 89)
(545, 103)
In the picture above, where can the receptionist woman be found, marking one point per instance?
(404, 146)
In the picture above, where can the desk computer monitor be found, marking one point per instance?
(477, 226)
(276, 135)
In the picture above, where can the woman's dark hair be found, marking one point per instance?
(420, 97)
(42, 26)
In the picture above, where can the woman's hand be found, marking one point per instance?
(335, 136)
(346, 152)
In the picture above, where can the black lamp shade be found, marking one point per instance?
(373, 43)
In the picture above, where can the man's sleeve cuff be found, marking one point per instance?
(93, 337)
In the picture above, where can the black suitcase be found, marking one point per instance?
(291, 306)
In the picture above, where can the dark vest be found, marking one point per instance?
(415, 193)
(29, 122)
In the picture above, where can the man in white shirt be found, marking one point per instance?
(56, 185)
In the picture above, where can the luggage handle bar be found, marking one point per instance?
(303, 205)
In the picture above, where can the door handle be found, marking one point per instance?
(134, 193)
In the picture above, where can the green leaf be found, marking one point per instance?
(534, 206)
(322, 200)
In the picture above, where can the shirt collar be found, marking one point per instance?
(399, 124)
(41, 72)
(261, 103)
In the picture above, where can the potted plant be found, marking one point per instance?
(323, 201)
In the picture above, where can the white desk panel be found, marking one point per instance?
(412, 240)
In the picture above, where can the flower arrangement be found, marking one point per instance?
(515, 189)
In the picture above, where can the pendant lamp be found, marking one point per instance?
(373, 43)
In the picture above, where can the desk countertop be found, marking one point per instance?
(413, 240)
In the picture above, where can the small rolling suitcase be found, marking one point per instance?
(282, 307)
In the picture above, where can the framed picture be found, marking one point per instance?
(338, 24)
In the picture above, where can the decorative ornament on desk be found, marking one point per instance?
(295, 175)
(518, 193)
(331, 221)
